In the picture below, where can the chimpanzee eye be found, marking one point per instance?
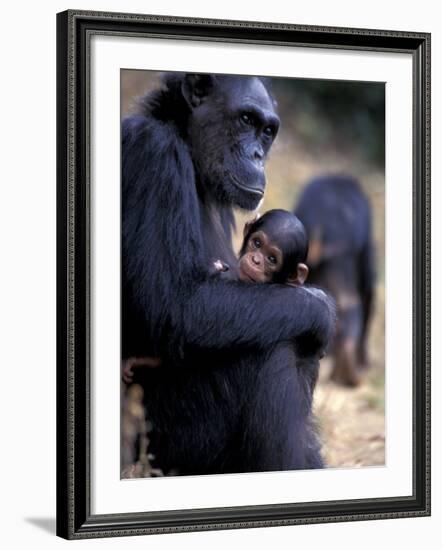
(247, 119)
(257, 242)
(272, 260)
(269, 131)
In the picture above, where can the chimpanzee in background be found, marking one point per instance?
(229, 395)
(337, 217)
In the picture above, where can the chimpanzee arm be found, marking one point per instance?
(163, 259)
(220, 314)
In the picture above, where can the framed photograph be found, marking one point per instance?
(243, 274)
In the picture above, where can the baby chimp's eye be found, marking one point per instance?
(272, 260)
(257, 242)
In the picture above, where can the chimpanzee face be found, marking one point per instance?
(261, 260)
(231, 129)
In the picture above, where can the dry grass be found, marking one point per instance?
(352, 421)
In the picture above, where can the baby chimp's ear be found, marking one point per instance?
(300, 275)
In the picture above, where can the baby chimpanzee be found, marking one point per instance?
(274, 250)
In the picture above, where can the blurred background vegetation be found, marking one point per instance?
(327, 127)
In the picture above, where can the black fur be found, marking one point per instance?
(230, 396)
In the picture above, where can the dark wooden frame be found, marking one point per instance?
(74, 519)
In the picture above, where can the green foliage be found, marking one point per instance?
(330, 113)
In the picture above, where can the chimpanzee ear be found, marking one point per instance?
(196, 87)
(300, 275)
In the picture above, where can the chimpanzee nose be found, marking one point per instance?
(255, 259)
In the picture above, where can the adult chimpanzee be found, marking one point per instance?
(228, 396)
(337, 217)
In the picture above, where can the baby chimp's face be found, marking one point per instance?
(262, 259)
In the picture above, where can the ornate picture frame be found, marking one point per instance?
(75, 517)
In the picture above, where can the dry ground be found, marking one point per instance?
(352, 421)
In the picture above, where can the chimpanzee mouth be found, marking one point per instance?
(246, 278)
(245, 274)
(255, 190)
